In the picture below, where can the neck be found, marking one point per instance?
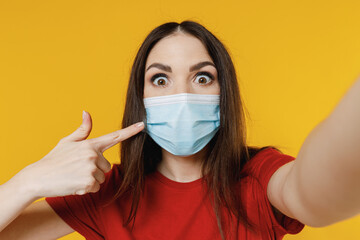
(181, 169)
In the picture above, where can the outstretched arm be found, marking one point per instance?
(322, 186)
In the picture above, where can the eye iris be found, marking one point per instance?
(202, 80)
(161, 82)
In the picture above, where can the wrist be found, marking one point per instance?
(25, 187)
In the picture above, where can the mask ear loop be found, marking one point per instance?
(218, 115)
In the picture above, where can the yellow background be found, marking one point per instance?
(295, 60)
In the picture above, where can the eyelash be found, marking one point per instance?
(153, 78)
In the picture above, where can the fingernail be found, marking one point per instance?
(83, 115)
(80, 192)
(139, 124)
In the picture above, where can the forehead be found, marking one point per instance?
(178, 47)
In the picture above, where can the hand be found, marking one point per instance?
(76, 164)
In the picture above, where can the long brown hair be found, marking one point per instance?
(227, 151)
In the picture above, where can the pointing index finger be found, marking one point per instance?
(104, 142)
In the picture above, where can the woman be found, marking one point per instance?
(186, 173)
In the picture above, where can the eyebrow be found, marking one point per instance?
(167, 68)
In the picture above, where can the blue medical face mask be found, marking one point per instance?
(182, 123)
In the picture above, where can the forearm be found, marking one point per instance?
(15, 196)
(327, 168)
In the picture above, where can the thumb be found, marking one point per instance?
(82, 132)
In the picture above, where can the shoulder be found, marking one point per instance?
(83, 213)
(265, 173)
(264, 163)
(113, 180)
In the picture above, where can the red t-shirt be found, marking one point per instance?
(174, 210)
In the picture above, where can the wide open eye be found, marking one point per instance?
(159, 79)
(204, 78)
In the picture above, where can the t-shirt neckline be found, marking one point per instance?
(174, 184)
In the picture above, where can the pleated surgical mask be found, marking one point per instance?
(182, 123)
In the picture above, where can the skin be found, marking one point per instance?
(327, 166)
(180, 51)
(297, 189)
(75, 157)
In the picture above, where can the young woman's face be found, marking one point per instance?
(179, 63)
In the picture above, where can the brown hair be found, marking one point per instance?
(227, 151)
